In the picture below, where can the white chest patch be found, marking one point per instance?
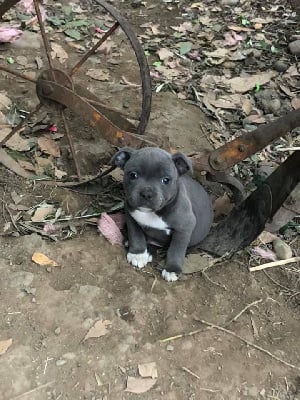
(150, 220)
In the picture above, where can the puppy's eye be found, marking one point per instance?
(165, 180)
(133, 175)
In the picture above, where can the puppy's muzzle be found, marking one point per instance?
(147, 193)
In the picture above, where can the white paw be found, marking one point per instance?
(169, 276)
(139, 260)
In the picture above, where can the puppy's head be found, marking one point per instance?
(150, 176)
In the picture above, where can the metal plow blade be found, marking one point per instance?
(247, 220)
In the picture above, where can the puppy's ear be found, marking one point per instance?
(182, 163)
(121, 157)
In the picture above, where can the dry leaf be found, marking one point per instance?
(246, 105)
(139, 385)
(48, 146)
(59, 173)
(26, 165)
(295, 102)
(41, 259)
(246, 83)
(16, 142)
(5, 345)
(222, 205)
(59, 52)
(148, 370)
(267, 237)
(98, 330)
(98, 74)
(165, 54)
(155, 29)
(219, 53)
(238, 28)
(42, 212)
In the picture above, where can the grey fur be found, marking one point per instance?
(182, 203)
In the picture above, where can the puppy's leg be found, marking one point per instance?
(176, 255)
(138, 254)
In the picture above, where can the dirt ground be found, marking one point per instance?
(47, 311)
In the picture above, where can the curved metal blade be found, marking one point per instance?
(248, 219)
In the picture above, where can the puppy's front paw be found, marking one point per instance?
(169, 276)
(139, 260)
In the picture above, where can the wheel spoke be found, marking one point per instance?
(20, 125)
(94, 48)
(18, 74)
(44, 36)
(71, 145)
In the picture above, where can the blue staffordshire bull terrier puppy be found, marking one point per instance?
(163, 205)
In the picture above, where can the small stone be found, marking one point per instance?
(280, 66)
(282, 250)
(60, 363)
(57, 331)
(49, 269)
(170, 347)
(295, 47)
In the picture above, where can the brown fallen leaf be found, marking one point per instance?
(49, 146)
(267, 237)
(295, 102)
(222, 206)
(26, 165)
(16, 142)
(5, 101)
(5, 345)
(42, 259)
(246, 105)
(139, 385)
(59, 173)
(98, 74)
(98, 330)
(42, 212)
(246, 83)
(58, 52)
(164, 54)
(12, 165)
(148, 370)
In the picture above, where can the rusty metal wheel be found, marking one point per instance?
(55, 85)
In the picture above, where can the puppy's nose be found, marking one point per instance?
(146, 193)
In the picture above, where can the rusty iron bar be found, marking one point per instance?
(93, 49)
(17, 74)
(251, 142)
(44, 36)
(107, 129)
(71, 145)
(20, 125)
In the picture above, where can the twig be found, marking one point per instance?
(182, 335)
(242, 311)
(198, 377)
(32, 390)
(192, 333)
(255, 346)
(287, 149)
(275, 264)
(131, 84)
(277, 283)
(211, 281)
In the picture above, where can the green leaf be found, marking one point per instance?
(157, 64)
(56, 21)
(177, 34)
(77, 23)
(24, 17)
(10, 60)
(257, 87)
(273, 49)
(73, 34)
(245, 21)
(185, 47)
